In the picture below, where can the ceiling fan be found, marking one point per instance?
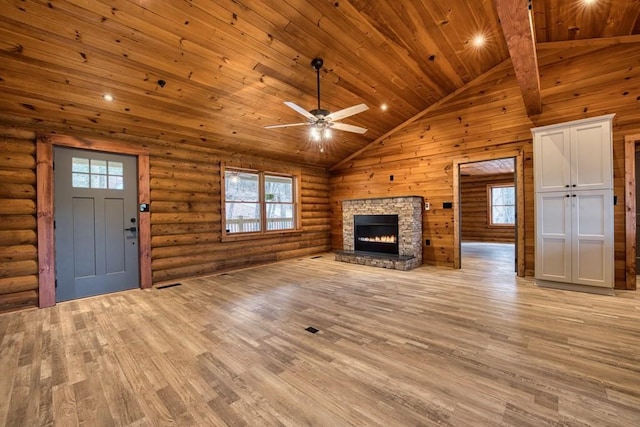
(322, 121)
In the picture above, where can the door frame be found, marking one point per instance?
(45, 207)
(518, 156)
(630, 188)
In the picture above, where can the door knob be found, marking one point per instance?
(134, 229)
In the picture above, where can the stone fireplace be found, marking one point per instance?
(383, 232)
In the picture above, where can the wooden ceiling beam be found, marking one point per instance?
(517, 26)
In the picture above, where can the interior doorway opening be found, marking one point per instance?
(488, 212)
(489, 206)
(631, 147)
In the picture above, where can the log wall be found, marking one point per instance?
(186, 215)
(18, 238)
(474, 200)
(487, 117)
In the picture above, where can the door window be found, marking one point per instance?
(94, 173)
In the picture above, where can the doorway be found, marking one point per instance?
(516, 159)
(96, 223)
(631, 147)
(45, 144)
(637, 179)
(488, 211)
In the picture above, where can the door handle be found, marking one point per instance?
(134, 229)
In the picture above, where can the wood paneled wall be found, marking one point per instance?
(185, 216)
(474, 200)
(487, 117)
(18, 239)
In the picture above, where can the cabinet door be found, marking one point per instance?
(553, 236)
(592, 246)
(551, 159)
(591, 156)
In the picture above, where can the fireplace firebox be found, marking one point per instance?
(376, 233)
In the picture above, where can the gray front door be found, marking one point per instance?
(96, 223)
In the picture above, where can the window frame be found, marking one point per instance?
(490, 205)
(263, 233)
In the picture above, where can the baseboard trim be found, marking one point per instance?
(574, 287)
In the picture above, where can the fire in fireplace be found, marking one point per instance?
(376, 233)
(379, 239)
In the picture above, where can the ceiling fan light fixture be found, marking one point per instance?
(320, 120)
(320, 132)
(315, 133)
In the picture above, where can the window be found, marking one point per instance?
(93, 173)
(502, 204)
(258, 202)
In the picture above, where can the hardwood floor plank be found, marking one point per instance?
(9, 353)
(64, 406)
(433, 346)
(92, 407)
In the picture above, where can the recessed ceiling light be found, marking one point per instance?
(384, 107)
(478, 40)
(108, 97)
(589, 2)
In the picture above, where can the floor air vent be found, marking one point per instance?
(168, 286)
(311, 329)
(316, 257)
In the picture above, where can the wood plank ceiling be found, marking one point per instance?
(214, 73)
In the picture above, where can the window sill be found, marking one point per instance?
(256, 236)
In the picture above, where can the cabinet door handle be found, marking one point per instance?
(573, 195)
(574, 185)
(567, 196)
(567, 185)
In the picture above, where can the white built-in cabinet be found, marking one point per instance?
(573, 171)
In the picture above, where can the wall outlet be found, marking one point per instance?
(427, 206)
(427, 242)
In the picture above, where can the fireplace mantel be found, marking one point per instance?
(409, 211)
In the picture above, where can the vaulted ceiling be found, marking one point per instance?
(214, 73)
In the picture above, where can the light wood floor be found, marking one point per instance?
(432, 346)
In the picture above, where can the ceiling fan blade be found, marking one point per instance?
(301, 110)
(348, 128)
(346, 112)
(286, 126)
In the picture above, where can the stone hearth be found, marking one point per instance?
(409, 211)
